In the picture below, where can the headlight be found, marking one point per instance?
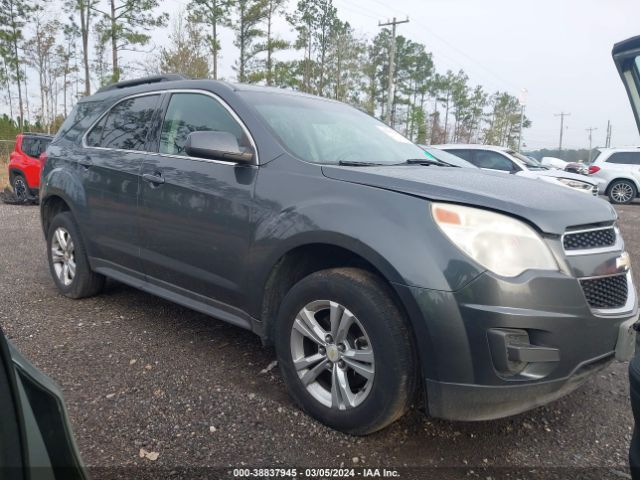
(577, 184)
(501, 244)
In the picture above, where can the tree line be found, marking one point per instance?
(71, 52)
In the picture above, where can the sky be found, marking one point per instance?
(558, 50)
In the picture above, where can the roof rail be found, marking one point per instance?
(170, 77)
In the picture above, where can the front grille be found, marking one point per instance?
(606, 292)
(590, 239)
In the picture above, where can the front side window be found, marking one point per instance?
(625, 158)
(191, 112)
(492, 160)
(126, 125)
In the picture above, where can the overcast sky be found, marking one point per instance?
(559, 50)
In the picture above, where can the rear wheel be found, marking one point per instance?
(20, 187)
(68, 260)
(345, 350)
(622, 191)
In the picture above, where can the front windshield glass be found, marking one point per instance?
(531, 163)
(321, 131)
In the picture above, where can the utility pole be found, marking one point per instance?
(607, 142)
(523, 102)
(561, 115)
(392, 57)
(590, 130)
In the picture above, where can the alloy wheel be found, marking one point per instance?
(332, 355)
(20, 188)
(622, 192)
(63, 256)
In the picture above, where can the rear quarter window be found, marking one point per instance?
(625, 158)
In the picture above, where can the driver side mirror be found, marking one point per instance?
(217, 146)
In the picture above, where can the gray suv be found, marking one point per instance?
(381, 275)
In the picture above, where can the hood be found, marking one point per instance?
(556, 174)
(552, 208)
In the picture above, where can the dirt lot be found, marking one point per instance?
(139, 372)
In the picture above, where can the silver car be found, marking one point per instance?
(617, 172)
(503, 159)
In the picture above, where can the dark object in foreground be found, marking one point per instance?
(9, 197)
(36, 440)
(634, 450)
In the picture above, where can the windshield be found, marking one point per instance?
(530, 163)
(447, 157)
(326, 132)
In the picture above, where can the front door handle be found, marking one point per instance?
(155, 179)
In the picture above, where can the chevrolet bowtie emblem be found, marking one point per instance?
(623, 262)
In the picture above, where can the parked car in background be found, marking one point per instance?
(617, 172)
(36, 440)
(505, 160)
(25, 165)
(552, 162)
(446, 157)
(380, 275)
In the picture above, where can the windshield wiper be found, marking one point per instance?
(425, 161)
(355, 163)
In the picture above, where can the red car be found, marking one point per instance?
(24, 163)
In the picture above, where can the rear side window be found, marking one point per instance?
(190, 112)
(627, 158)
(34, 146)
(126, 125)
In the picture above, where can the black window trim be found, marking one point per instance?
(162, 107)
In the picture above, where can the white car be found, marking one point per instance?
(553, 162)
(617, 172)
(506, 160)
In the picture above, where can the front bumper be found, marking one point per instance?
(462, 368)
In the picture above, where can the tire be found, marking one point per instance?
(622, 192)
(379, 334)
(20, 187)
(83, 282)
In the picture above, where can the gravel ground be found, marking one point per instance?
(138, 373)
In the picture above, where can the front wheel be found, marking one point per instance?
(345, 350)
(622, 192)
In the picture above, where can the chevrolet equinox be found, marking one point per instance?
(381, 275)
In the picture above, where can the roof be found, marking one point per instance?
(175, 81)
(37, 134)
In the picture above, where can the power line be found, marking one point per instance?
(392, 56)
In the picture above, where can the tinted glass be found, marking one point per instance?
(327, 132)
(627, 158)
(464, 154)
(448, 158)
(191, 112)
(94, 137)
(27, 145)
(127, 124)
(492, 160)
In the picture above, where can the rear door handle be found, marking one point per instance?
(156, 179)
(85, 162)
